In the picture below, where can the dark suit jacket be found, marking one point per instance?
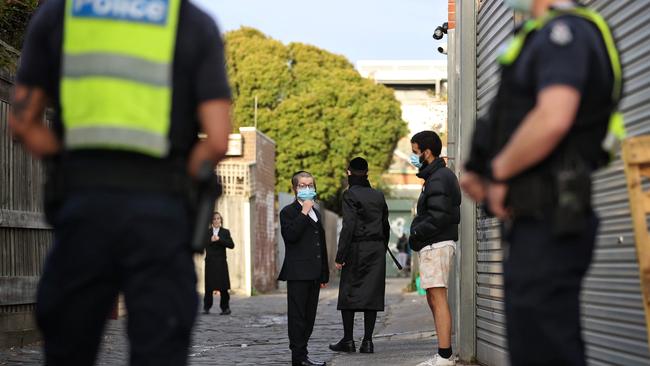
(217, 249)
(306, 250)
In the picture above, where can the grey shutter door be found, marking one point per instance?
(613, 318)
(612, 308)
(495, 26)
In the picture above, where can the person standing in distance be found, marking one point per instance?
(305, 266)
(130, 92)
(361, 256)
(434, 232)
(216, 265)
(531, 161)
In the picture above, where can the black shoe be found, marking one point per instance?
(344, 346)
(225, 312)
(307, 362)
(367, 347)
(206, 311)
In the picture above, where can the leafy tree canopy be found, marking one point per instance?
(14, 17)
(314, 104)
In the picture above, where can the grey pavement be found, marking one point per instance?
(256, 334)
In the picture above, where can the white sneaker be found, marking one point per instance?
(439, 361)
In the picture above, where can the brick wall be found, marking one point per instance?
(451, 18)
(262, 149)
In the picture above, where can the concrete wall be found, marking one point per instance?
(331, 225)
(249, 212)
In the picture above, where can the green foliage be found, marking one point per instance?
(316, 107)
(14, 17)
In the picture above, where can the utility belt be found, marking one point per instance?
(161, 178)
(560, 190)
(64, 177)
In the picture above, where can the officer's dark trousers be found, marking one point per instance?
(302, 303)
(543, 275)
(107, 242)
(224, 301)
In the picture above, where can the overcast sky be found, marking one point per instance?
(358, 29)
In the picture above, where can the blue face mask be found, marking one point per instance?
(415, 161)
(305, 194)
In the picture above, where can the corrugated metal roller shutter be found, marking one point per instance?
(613, 318)
(495, 25)
(614, 323)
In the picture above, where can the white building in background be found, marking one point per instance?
(421, 88)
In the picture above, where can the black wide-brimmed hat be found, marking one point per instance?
(359, 164)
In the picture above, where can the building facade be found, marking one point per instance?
(421, 89)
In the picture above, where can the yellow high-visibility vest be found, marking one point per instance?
(116, 76)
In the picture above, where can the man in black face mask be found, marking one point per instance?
(434, 233)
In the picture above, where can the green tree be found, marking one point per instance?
(315, 105)
(14, 17)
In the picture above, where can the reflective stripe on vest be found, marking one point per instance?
(616, 129)
(117, 74)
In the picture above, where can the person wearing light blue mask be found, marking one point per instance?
(433, 235)
(305, 266)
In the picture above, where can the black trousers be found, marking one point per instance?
(107, 242)
(543, 276)
(302, 303)
(224, 301)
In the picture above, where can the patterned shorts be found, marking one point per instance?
(434, 267)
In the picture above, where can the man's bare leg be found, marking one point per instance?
(437, 299)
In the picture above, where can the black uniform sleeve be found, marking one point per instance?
(212, 81)
(349, 225)
(562, 56)
(481, 148)
(40, 56)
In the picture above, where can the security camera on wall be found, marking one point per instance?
(443, 49)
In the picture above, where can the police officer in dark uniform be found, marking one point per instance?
(531, 161)
(130, 87)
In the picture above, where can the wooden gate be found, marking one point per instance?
(24, 235)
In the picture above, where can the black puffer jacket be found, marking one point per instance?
(438, 210)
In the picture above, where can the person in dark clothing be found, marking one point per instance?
(121, 150)
(305, 266)
(402, 250)
(361, 256)
(434, 233)
(216, 265)
(554, 121)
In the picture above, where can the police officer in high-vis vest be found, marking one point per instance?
(131, 83)
(550, 126)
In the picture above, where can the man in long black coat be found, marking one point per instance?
(361, 256)
(305, 265)
(216, 265)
